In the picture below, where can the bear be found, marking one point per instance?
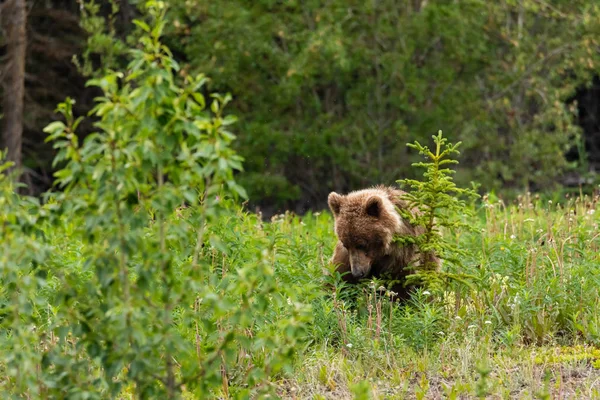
(366, 222)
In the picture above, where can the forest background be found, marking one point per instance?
(328, 93)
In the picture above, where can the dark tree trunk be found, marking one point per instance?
(13, 19)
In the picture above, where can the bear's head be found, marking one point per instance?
(365, 224)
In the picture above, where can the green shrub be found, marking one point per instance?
(135, 301)
(23, 253)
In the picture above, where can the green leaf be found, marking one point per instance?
(214, 107)
(199, 99)
(142, 25)
(54, 127)
(218, 244)
(228, 120)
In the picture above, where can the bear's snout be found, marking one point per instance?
(360, 263)
(358, 274)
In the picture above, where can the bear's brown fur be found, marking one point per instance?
(366, 222)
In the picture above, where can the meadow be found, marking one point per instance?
(526, 327)
(528, 330)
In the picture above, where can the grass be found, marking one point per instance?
(454, 369)
(527, 325)
(529, 329)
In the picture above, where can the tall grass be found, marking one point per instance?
(530, 310)
(526, 325)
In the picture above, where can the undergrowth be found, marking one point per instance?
(530, 327)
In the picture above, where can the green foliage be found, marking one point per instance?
(145, 278)
(22, 255)
(533, 308)
(361, 391)
(537, 273)
(141, 306)
(328, 92)
(102, 40)
(442, 211)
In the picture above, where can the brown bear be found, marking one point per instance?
(366, 222)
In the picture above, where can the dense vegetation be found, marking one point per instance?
(259, 317)
(144, 276)
(328, 93)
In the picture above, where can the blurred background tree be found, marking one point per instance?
(13, 18)
(329, 92)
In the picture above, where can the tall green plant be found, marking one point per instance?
(443, 206)
(22, 254)
(102, 40)
(147, 187)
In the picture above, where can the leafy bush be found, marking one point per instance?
(23, 253)
(140, 305)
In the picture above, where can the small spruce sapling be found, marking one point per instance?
(441, 203)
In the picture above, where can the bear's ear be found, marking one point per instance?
(374, 206)
(335, 202)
